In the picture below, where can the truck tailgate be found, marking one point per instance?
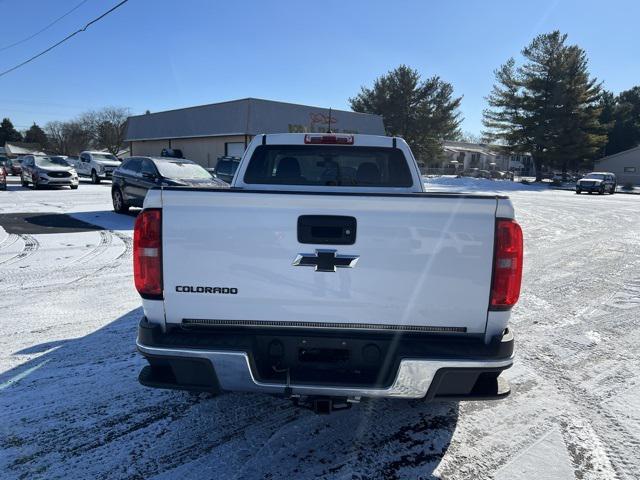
(425, 261)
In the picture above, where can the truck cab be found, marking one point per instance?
(96, 165)
(327, 271)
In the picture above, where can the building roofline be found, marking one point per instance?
(249, 99)
(183, 137)
(189, 108)
(617, 154)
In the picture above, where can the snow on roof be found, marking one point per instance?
(22, 148)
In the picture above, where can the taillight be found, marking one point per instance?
(329, 139)
(147, 254)
(507, 265)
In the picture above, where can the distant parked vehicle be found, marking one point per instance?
(498, 175)
(226, 168)
(14, 166)
(470, 172)
(560, 177)
(137, 175)
(43, 171)
(476, 173)
(600, 182)
(96, 165)
(171, 153)
(3, 178)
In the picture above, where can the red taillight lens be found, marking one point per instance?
(147, 253)
(329, 139)
(507, 265)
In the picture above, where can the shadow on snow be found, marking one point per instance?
(77, 410)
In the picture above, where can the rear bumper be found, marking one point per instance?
(459, 370)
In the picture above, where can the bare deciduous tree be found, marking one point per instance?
(99, 129)
(111, 128)
(68, 138)
(57, 138)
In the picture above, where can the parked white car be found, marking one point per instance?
(96, 165)
(325, 274)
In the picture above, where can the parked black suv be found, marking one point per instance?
(136, 175)
(171, 153)
(226, 168)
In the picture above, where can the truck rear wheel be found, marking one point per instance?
(95, 179)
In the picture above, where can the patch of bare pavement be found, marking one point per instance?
(72, 408)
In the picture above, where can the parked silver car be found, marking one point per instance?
(44, 171)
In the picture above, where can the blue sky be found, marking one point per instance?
(162, 54)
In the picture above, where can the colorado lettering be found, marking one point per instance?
(211, 290)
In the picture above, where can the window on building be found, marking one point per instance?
(629, 169)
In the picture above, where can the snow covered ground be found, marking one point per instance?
(72, 408)
(448, 183)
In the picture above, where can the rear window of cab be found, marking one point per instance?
(323, 165)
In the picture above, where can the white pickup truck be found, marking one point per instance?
(327, 273)
(96, 165)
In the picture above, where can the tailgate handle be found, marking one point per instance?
(327, 229)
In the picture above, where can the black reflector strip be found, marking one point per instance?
(206, 322)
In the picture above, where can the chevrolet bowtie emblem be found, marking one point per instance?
(325, 260)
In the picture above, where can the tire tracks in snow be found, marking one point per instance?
(116, 262)
(30, 246)
(590, 311)
(85, 266)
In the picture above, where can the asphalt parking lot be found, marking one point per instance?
(72, 406)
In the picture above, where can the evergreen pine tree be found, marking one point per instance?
(35, 134)
(423, 112)
(549, 106)
(8, 133)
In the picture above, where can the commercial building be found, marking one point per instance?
(208, 132)
(626, 166)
